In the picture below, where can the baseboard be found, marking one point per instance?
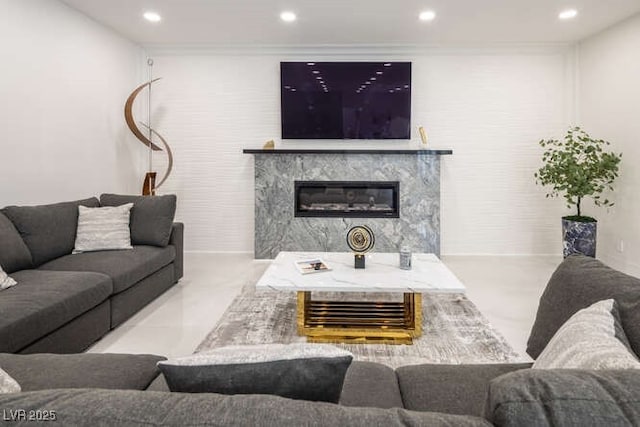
(558, 255)
(221, 252)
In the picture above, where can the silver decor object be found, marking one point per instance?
(405, 258)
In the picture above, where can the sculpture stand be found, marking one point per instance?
(149, 186)
(359, 260)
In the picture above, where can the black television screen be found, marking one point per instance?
(345, 100)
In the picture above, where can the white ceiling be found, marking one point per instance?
(355, 22)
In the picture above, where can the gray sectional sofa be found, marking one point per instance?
(64, 302)
(102, 389)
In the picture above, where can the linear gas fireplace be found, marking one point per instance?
(355, 199)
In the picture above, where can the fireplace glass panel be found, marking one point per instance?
(361, 199)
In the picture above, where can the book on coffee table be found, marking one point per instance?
(313, 265)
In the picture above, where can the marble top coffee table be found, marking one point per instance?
(366, 321)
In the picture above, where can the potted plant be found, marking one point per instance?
(578, 167)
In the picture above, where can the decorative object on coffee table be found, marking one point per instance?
(360, 240)
(405, 258)
(578, 167)
(149, 186)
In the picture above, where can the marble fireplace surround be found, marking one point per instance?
(276, 228)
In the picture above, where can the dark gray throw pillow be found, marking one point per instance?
(151, 217)
(48, 230)
(297, 371)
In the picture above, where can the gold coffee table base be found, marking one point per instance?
(360, 321)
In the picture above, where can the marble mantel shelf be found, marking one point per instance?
(346, 151)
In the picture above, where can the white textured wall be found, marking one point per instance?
(490, 106)
(63, 83)
(609, 108)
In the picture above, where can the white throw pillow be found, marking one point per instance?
(101, 229)
(592, 338)
(8, 384)
(5, 281)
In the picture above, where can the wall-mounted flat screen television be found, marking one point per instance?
(345, 100)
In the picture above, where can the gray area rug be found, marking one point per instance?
(454, 331)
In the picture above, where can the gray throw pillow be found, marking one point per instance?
(297, 371)
(576, 284)
(48, 230)
(101, 229)
(151, 217)
(5, 280)
(8, 384)
(14, 254)
(591, 339)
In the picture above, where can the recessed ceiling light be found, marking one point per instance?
(316, 72)
(387, 64)
(568, 14)
(427, 15)
(379, 73)
(311, 63)
(372, 78)
(288, 16)
(152, 17)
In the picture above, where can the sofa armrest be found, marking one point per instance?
(177, 240)
(564, 397)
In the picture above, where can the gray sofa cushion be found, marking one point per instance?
(45, 300)
(151, 217)
(576, 284)
(112, 371)
(453, 389)
(48, 230)
(14, 254)
(565, 398)
(129, 408)
(371, 384)
(125, 268)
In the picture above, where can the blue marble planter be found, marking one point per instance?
(579, 237)
(276, 228)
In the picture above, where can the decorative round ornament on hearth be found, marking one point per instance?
(360, 240)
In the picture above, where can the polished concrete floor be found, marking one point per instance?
(506, 289)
